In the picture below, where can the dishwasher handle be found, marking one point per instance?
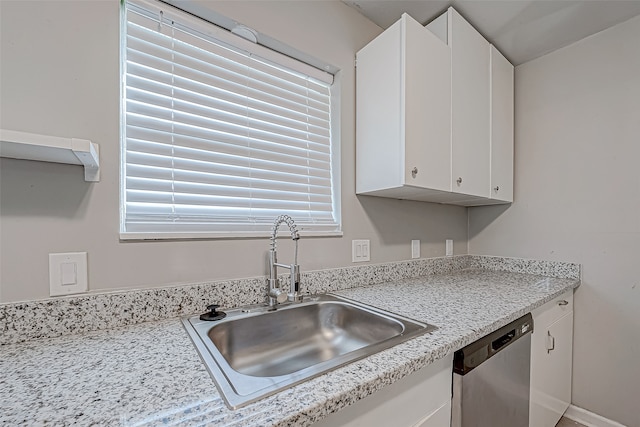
(503, 340)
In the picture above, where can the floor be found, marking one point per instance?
(566, 422)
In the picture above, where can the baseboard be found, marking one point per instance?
(589, 419)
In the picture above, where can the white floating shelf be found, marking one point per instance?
(73, 151)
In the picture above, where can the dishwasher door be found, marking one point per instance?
(491, 378)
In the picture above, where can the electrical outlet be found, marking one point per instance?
(68, 273)
(415, 249)
(360, 251)
(449, 247)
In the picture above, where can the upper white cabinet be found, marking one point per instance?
(434, 115)
(404, 110)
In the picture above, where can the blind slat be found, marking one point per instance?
(137, 196)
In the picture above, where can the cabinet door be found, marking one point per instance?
(379, 145)
(427, 101)
(403, 111)
(551, 368)
(470, 98)
(501, 127)
(440, 418)
(421, 397)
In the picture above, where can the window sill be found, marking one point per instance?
(132, 236)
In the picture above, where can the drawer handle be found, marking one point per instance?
(563, 302)
(551, 342)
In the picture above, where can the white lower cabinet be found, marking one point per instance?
(422, 399)
(551, 361)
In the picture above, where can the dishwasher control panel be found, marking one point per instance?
(469, 357)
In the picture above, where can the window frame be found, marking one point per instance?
(263, 229)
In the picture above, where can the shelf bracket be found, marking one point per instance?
(89, 155)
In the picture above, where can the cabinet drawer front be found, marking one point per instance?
(553, 310)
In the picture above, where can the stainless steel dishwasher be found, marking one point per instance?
(491, 378)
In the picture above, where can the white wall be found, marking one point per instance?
(577, 198)
(59, 75)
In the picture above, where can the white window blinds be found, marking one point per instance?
(220, 135)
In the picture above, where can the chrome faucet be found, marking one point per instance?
(276, 294)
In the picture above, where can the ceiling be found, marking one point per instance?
(521, 29)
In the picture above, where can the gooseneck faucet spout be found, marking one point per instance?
(276, 294)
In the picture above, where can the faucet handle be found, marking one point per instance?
(279, 296)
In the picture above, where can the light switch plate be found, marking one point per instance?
(360, 251)
(68, 273)
(449, 247)
(415, 249)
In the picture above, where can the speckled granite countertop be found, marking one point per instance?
(150, 373)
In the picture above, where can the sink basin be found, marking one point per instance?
(255, 352)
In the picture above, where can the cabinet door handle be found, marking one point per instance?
(497, 188)
(551, 342)
(459, 180)
(563, 302)
(414, 172)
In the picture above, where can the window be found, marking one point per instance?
(221, 135)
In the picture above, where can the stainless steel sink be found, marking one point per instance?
(255, 351)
